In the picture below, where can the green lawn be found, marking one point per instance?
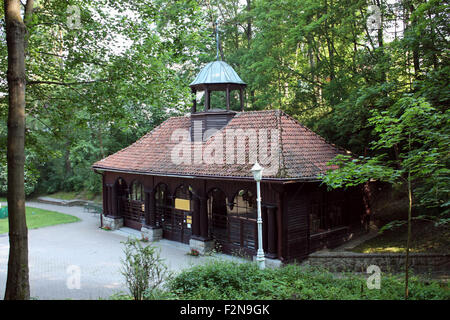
(2, 199)
(38, 218)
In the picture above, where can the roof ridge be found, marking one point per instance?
(240, 113)
(281, 162)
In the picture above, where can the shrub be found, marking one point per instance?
(225, 280)
(143, 269)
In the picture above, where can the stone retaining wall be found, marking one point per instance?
(387, 262)
(68, 203)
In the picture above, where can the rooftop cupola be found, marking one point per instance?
(217, 76)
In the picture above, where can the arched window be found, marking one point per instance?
(217, 213)
(183, 192)
(242, 220)
(162, 196)
(244, 204)
(137, 191)
(121, 187)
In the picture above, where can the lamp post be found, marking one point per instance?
(257, 175)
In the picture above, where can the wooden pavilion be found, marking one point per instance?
(212, 204)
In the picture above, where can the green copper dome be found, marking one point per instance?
(217, 72)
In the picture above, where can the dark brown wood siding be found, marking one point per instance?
(298, 241)
(290, 209)
(296, 222)
(210, 120)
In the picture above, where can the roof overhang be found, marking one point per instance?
(209, 177)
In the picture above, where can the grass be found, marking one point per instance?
(426, 238)
(38, 218)
(3, 199)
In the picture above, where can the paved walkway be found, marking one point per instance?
(352, 243)
(56, 253)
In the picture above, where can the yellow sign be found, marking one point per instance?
(189, 219)
(182, 204)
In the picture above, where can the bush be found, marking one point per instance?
(229, 280)
(143, 269)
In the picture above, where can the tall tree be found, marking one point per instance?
(17, 284)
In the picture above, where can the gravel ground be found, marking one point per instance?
(59, 255)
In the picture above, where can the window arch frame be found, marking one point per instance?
(136, 191)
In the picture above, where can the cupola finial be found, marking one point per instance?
(217, 39)
(217, 76)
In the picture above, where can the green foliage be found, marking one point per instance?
(228, 281)
(94, 90)
(31, 177)
(143, 269)
(418, 135)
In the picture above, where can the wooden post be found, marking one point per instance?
(109, 199)
(207, 97)
(114, 205)
(196, 218)
(228, 97)
(104, 195)
(150, 210)
(241, 97)
(279, 219)
(264, 226)
(271, 232)
(194, 101)
(203, 218)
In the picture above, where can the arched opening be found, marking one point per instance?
(233, 224)
(182, 214)
(121, 190)
(174, 213)
(242, 214)
(244, 204)
(217, 215)
(134, 208)
(163, 207)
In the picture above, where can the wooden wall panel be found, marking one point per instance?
(297, 224)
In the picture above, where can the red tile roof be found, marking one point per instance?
(298, 152)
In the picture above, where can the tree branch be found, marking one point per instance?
(59, 83)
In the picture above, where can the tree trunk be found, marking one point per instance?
(17, 283)
(408, 241)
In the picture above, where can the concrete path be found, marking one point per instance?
(352, 243)
(57, 254)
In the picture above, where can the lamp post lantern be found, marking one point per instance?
(257, 175)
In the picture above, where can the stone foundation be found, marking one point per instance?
(388, 262)
(152, 233)
(112, 223)
(202, 246)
